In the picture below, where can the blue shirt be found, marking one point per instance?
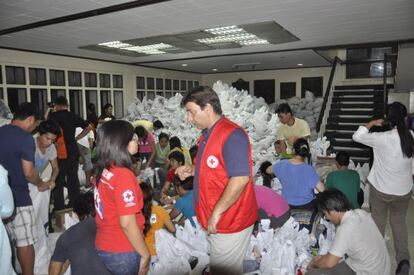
(185, 205)
(297, 180)
(15, 145)
(235, 154)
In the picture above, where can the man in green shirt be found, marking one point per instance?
(345, 180)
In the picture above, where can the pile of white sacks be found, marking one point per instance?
(251, 113)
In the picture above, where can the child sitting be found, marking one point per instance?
(158, 218)
(176, 159)
(162, 149)
(185, 204)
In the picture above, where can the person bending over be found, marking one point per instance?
(356, 236)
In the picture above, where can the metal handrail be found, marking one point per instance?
(327, 92)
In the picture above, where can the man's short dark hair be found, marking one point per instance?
(178, 156)
(26, 110)
(332, 200)
(284, 108)
(49, 126)
(342, 158)
(203, 95)
(61, 101)
(84, 206)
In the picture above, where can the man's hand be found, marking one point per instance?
(144, 265)
(52, 184)
(212, 223)
(312, 264)
(184, 172)
(291, 140)
(43, 186)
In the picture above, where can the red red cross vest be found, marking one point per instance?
(212, 180)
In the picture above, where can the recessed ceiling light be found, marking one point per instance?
(214, 70)
(184, 65)
(300, 64)
(233, 34)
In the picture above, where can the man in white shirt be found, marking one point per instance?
(357, 239)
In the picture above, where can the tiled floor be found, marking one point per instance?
(390, 245)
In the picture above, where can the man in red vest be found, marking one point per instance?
(224, 197)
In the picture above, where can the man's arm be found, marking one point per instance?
(55, 172)
(57, 268)
(325, 261)
(84, 132)
(231, 194)
(32, 176)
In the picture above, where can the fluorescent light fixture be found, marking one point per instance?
(115, 44)
(184, 65)
(233, 34)
(214, 70)
(300, 64)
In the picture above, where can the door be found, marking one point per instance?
(312, 84)
(265, 89)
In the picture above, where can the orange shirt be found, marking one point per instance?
(159, 217)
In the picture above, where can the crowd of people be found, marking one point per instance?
(212, 181)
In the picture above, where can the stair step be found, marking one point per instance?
(334, 126)
(365, 153)
(357, 93)
(357, 99)
(337, 112)
(336, 105)
(358, 120)
(349, 144)
(334, 134)
(363, 87)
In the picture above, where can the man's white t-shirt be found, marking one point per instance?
(85, 140)
(358, 237)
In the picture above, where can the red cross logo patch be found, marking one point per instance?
(128, 196)
(212, 162)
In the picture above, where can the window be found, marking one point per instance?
(104, 80)
(176, 85)
(183, 85)
(117, 81)
(196, 84)
(140, 83)
(54, 93)
(140, 95)
(287, 90)
(37, 76)
(105, 99)
(168, 94)
(119, 104)
(168, 85)
(15, 96)
(75, 102)
(57, 78)
(160, 84)
(160, 93)
(1, 76)
(15, 75)
(90, 80)
(39, 97)
(75, 78)
(150, 83)
(1, 93)
(91, 96)
(190, 85)
(368, 62)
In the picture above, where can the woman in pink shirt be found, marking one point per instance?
(271, 206)
(146, 145)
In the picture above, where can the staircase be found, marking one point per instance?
(352, 106)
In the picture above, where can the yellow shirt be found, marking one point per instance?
(142, 122)
(159, 217)
(300, 128)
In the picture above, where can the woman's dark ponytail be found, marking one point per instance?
(396, 115)
(301, 148)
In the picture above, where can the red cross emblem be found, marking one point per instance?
(128, 196)
(212, 162)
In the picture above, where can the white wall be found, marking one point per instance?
(129, 72)
(289, 75)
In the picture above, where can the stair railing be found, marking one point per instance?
(388, 58)
(323, 115)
